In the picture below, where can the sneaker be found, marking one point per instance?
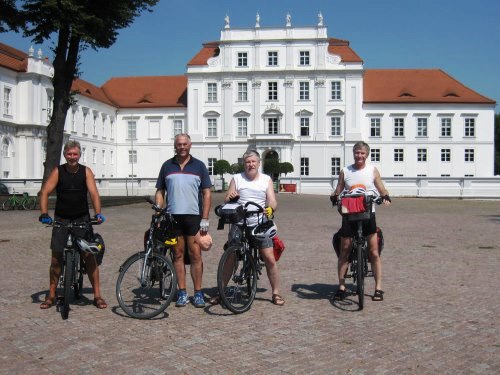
(182, 299)
(198, 300)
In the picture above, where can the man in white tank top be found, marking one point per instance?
(364, 176)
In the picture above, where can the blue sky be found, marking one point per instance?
(459, 36)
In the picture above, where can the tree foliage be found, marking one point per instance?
(237, 168)
(72, 25)
(221, 167)
(286, 167)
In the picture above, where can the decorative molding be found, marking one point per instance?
(333, 59)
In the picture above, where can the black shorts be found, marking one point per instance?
(60, 235)
(349, 228)
(187, 225)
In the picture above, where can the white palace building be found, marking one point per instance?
(290, 92)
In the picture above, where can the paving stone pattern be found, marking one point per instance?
(440, 314)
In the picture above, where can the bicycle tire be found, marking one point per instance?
(68, 283)
(146, 300)
(8, 205)
(237, 279)
(78, 286)
(29, 203)
(360, 275)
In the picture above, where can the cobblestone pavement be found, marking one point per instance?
(440, 314)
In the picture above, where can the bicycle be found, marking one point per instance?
(147, 282)
(72, 265)
(29, 202)
(15, 201)
(359, 266)
(240, 265)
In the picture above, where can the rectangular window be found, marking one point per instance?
(154, 129)
(304, 58)
(212, 127)
(398, 154)
(470, 124)
(303, 90)
(242, 59)
(375, 127)
(242, 127)
(132, 130)
(272, 125)
(7, 101)
(73, 121)
(422, 127)
(94, 155)
(211, 166)
(94, 131)
(178, 127)
(304, 166)
(242, 91)
(50, 104)
(272, 58)
(272, 90)
(335, 126)
(103, 157)
(421, 154)
(112, 129)
(335, 166)
(211, 92)
(469, 154)
(84, 154)
(336, 93)
(375, 155)
(304, 126)
(132, 156)
(445, 154)
(111, 157)
(85, 116)
(399, 127)
(446, 127)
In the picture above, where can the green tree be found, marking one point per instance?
(237, 168)
(221, 167)
(497, 144)
(272, 167)
(73, 26)
(285, 168)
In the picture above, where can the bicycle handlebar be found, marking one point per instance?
(59, 224)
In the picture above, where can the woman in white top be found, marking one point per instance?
(253, 186)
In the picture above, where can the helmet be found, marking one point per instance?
(358, 189)
(94, 246)
(265, 230)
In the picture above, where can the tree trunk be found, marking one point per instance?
(65, 67)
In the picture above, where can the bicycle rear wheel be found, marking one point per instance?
(237, 279)
(69, 267)
(360, 276)
(29, 203)
(8, 205)
(144, 292)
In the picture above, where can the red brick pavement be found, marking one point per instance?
(440, 314)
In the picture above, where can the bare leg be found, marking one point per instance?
(375, 260)
(54, 273)
(93, 272)
(180, 269)
(345, 249)
(271, 268)
(196, 262)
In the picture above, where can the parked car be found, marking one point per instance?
(4, 190)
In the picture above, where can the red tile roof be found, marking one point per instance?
(417, 86)
(209, 50)
(13, 59)
(341, 47)
(147, 92)
(90, 91)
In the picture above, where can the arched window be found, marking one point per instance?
(5, 148)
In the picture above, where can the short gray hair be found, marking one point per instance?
(182, 135)
(361, 144)
(72, 144)
(251, 153)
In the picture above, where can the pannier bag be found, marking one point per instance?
(353, 205)
(278, 247)
(230, 213)
(336, 241)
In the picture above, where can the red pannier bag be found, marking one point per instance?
(278, 247)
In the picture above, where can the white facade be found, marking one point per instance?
(280, 90)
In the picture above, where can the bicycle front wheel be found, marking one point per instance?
(237, 279)
(360, 276)
(8, 205)
(68, 283)
(145, 287)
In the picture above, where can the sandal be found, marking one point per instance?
(48, 303)
(278, 300)
(100, 303)
(378, 295)
(340, 295)
(215, 300)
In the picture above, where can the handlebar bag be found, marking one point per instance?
(353, 205)
(231, 213)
